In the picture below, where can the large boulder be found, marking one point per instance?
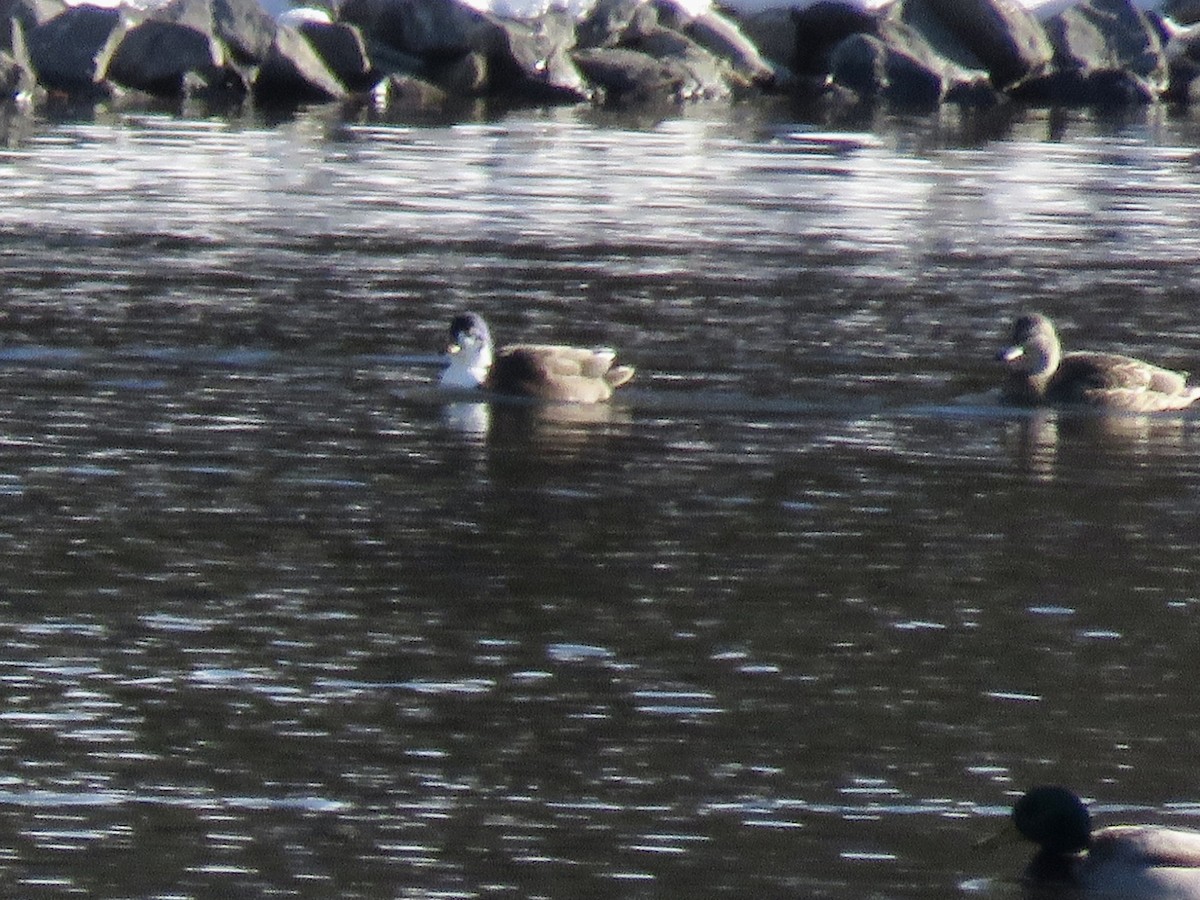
(963, 78)
(29, 13)
(725, 40)
(342, 50)
(1106, 52)
(820, 28)
(433, 29)
(875, 70)
(532, 58)
(998, 36)
(243, 26)
(705, 76)
(293, 72)
(773, 33)
(629, 77)
(609, 20)
(1185, 12)
(71, 51)
(157, 56)
(524, 57)
(1109, 36)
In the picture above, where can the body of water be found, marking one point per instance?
(797, 616)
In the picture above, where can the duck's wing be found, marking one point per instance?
(1146, 845)
(1104, 371)
(561, 359)
(553, 372)
(1109, 379)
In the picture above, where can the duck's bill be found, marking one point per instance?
(453, 348)
(1009, 354)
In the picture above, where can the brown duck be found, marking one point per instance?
(1040, 374)
(541, 371)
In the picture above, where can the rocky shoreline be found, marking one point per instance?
(428, 55)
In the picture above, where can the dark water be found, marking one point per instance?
(795, 618)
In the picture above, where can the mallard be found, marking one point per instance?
(542, 371)
(1134, 862)
(1040, 374)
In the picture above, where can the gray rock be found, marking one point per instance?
(527, 57)
(1002, 35)
(342, 49)
(1074, 87)
(244, 27)
(16, 70)
(422, 28)
(533, 59)
(724, 39)
(1109, 36)
(30, 13)
(963, 78)
(293, 72)
(876, 71)
(71, 52)
(1185, 12)
(627, 77)
(823, 26)
(707, 75)
(155, 57)
(773, 33)
(608, 21)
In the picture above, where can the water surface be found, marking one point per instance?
(796, 617)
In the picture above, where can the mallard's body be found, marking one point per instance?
(1133, 862)
(1039, 373)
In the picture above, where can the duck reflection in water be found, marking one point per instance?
(1040, 374)
(1047, 442)
(557, 427)
(1133, 862)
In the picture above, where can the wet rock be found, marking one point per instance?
(157, 56)
(629, 77)
(30, 13)
(1108, 36)
(532, 58)
(997, 36)
(706, 76)
(876, 71)
(1182, 51)
(294, 72)
(773, 33)
(342, 50)
(723, 39)
(71, 51)
(437, 29)
(963, 78)
(16, 70)
(1074, 87)
(609, 21)
(243, 26)
(526, 57)
(1185, 12)
(821, 27)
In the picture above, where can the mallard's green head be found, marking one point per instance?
(1054, 818)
